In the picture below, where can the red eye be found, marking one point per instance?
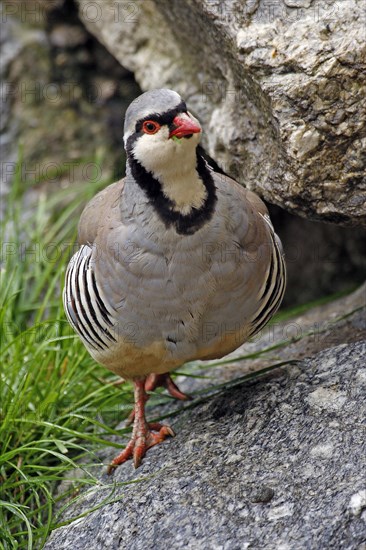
(150, 127)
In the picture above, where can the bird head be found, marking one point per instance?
(160, 133)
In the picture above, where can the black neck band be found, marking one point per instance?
(185, 224)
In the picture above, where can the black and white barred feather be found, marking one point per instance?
(275, 284)
(87, 312)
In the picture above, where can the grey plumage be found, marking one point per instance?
(197, 290)
(145, 298)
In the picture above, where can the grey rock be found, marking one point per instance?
(262, 494)
(279, 86)
(276, 461)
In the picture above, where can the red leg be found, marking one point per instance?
(153, 381)
(142, 435)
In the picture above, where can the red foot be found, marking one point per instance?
(138, 445)
(152, 382)
(142, 436)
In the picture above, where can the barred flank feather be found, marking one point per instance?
(85, 309)
(274, 287)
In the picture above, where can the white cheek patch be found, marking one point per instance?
(153, 150)
(173, 163)
(160, 154)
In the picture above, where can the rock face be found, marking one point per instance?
(276, 462)
(279, 86)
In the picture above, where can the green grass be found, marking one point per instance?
(56, 411)
(53, 404)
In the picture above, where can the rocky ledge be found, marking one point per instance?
(276, 461)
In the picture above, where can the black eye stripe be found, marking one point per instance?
(165, 118)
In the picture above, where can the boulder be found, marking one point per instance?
(279, 86)
(275, 461)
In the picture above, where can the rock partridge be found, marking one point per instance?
(177, 262)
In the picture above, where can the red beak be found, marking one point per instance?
(184, 127)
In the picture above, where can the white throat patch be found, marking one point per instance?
(173, 163)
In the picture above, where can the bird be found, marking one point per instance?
(176, 262)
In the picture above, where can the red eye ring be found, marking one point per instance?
(150, 127)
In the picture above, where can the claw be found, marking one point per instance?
(143, 436)
(140, 443)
